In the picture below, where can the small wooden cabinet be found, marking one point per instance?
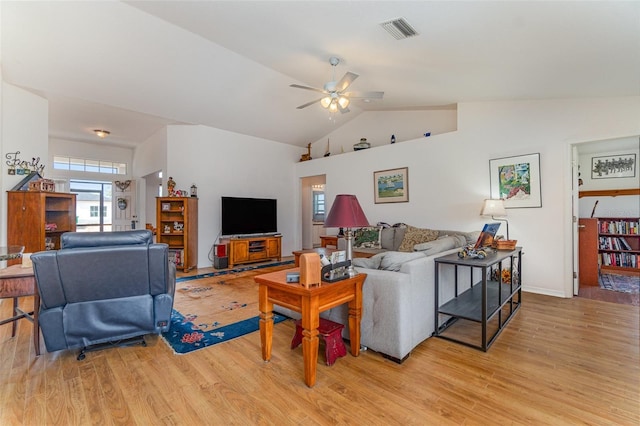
(254, 249)
(36, 219)
(177, 226)
(619, 244)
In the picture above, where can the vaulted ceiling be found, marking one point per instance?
(133, 67)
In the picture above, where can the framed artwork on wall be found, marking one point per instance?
(391, 186)
(516, 180)
(613, 166)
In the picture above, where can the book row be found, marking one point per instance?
(624, 260)
(614, 243)
(176, 256)
(619, 227)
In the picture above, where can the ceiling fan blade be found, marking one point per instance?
(345, 81)
(343, 110)
(309, 103)
(297, 86)
(368, 95)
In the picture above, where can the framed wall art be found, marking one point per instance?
(516, 180)
(613, 166)
(391, 186)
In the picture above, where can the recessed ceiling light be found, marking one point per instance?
(102, 133)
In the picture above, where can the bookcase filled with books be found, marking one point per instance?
(619, 244)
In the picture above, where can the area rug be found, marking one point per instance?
(621, 283)
(216, 307)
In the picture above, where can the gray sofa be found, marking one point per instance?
(101, 288)
(398, 293)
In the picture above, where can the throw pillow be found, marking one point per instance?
(368, 237)
(393, 260)
(372, 262)
(441, 244)
(413, 236)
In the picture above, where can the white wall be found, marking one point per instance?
(25, 127)
(223, 163)
(378, 126)
(149, 158)
(449, 174)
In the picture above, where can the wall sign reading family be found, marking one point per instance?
(516, 180)
(23, 167)
(391, 186)
(613, 166)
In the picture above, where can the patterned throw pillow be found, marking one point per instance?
(415, 236)
(368, 237)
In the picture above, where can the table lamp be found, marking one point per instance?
(346, 213)
(494, 208)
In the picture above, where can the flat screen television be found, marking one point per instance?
(245, 216)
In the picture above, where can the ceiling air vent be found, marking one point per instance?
(399, 28)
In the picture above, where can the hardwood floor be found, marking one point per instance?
(597, 293)
(559, 362)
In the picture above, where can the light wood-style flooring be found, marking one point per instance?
(559, 362)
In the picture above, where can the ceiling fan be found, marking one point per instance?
(335, 96)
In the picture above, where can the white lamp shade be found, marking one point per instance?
(493, 208)
(325, 102)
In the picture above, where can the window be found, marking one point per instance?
(93, 211)
(91, 166)
(318, 206)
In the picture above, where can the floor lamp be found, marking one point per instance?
(346, 213)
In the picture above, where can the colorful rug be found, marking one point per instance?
(216, 307)
(622, 283)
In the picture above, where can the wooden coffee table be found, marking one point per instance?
(273, 288)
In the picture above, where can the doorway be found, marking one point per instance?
(312, 210)
(93, 205)
(595, 198)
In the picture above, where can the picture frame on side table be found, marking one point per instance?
(391, 186)
(516, 180)
(613, 166)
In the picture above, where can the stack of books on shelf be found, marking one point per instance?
(176, 256)
(619, 227)
(614, 243)
(624, 260)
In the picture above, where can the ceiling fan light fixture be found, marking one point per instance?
(343, 101)
(325, 102)
(101, 133)
(333, 107)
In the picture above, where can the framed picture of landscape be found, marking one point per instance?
(391, 186)
(516, 180)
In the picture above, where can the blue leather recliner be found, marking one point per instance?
(103, 288)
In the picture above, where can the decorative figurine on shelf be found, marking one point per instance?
(167, 229)
(171, 186)
(307, 156)
(194, 190)
(178, 227)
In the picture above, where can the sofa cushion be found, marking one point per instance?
(387, 238)
(471, 237)
(367, 237)
(393, 260)
(372, 262)
(398, 236)
(441, 244)
(413, 236)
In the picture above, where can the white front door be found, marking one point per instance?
(124, 209)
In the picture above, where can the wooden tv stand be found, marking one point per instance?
(253, 249)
